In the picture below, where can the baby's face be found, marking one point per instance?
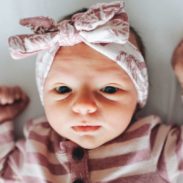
(88, 98)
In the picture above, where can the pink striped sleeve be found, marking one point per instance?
(172, 155)
(7, 143)
(13, 154)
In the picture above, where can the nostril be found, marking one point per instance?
(84, 102)
(84, 108)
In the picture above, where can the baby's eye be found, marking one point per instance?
(63, 89)
(110, 89)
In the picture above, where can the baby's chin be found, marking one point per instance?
(90, 146)
(89, 143)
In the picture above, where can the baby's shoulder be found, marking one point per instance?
(155, 120)
(151, 124)
(151, 121)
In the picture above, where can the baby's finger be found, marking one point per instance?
(21, 96)
(9, 93)
(17, 93)
(19, 106)
(2, 91)
(5, 94)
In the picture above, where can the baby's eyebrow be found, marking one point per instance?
(103, 71)
(114, 72)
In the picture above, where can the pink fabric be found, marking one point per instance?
(111, 20)
(147, 152)
(104, 27)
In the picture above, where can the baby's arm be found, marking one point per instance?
(171, 160)
(12, 102)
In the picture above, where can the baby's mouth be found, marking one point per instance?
(85, 128)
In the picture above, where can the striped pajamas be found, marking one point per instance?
(147, 152)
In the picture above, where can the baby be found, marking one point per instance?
(92, 78)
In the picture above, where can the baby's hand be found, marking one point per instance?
(12, 102)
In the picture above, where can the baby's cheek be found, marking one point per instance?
(113, 112)
(53, 110)
(57, 117)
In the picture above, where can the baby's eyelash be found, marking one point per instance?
(63, 89)
(110, 89)
(107, 89)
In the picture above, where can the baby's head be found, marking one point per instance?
(87, 97)
(90, 90)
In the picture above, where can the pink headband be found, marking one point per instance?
(104, 27)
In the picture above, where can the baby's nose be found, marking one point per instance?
(84, 104)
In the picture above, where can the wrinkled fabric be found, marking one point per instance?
(104, 27)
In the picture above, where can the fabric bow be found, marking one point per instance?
(94, 26)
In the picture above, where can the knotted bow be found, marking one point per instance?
(103, 23)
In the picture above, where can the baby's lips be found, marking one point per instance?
(86, 128)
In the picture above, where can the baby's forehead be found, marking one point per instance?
(86, 60)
